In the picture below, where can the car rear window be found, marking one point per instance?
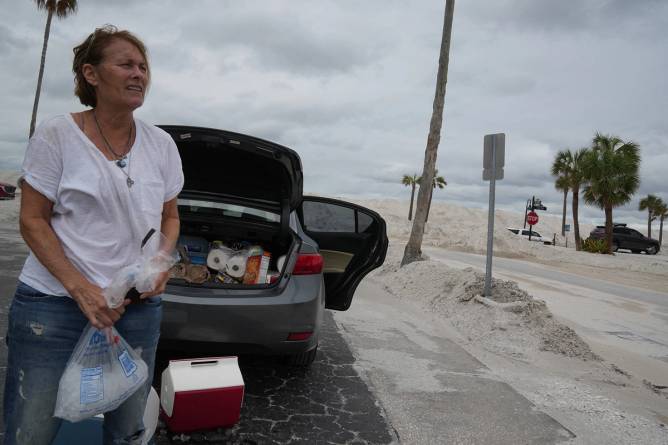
(224, 209)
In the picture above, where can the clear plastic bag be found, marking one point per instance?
(102, 373)
(155, 258)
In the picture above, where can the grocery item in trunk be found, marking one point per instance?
(257, 266)
(236, 265)
(218, 257)
(197, 273)
(197, 248)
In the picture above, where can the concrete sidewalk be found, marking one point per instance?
(432, 390)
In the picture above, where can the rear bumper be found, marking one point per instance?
(248, 321)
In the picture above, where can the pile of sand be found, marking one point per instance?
(513, 323)
(465, 229)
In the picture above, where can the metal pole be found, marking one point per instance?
(530, 225)
(526, 209)
(490, 224)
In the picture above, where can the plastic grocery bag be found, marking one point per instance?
(155, 257)
(101, 374)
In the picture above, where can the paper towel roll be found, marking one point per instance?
(217, 259)
(236, 266)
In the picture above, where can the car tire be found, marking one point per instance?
(303, 359)
(615, 246)
(651, 250)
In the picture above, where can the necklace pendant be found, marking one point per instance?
(129, 182)
(121, 163)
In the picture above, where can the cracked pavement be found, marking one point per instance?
(328, 403)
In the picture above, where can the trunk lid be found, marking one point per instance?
(238, 168)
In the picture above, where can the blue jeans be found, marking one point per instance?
(42, 333)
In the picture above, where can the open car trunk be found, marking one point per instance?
(238, 194)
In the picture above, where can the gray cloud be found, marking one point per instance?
(350, 85)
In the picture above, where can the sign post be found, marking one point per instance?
(494, 154)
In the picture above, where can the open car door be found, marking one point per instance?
(352, 241)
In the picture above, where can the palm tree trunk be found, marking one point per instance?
(576, 223)
(413, 250)
(608, 227)
(431, 195)
(410, 211)
(661, 232)
(563, 214)
(649, 224)
(47, 30)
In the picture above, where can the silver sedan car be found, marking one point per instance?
(241, 190)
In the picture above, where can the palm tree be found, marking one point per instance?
(561, 168)
(438, 181)
(649, 203)
(661, 213)
(611, 172)
(62, 8)
(563, 185)
(576, 179)
(413, 181)
(413, 250)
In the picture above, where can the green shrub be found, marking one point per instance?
(594, 245)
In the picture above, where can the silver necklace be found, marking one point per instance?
(121, 160)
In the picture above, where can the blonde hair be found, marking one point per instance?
(91, 52)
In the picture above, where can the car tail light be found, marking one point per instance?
(308, 264)
(299, 336)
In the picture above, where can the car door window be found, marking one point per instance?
(323, 217)
(364, 221)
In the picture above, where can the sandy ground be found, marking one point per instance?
(517, 336)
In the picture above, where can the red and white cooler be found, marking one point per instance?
(198, 394)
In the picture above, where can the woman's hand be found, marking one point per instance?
(159, 286)
(92, 303)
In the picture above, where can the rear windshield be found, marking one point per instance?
(228, 210)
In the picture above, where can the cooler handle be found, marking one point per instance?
(204, 362)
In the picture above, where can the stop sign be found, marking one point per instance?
(532, 218)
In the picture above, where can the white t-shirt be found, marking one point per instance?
(99, 220)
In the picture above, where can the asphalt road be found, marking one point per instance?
(540, 271)
(328, 403)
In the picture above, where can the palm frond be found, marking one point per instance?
(61, 8)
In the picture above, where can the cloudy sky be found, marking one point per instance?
(350, 84)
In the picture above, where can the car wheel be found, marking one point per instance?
(651, 250)
(615, 246)
(303, 359)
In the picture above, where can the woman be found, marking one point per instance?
(93, 184)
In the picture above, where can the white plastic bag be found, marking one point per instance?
(155, 257)
(102, 373)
